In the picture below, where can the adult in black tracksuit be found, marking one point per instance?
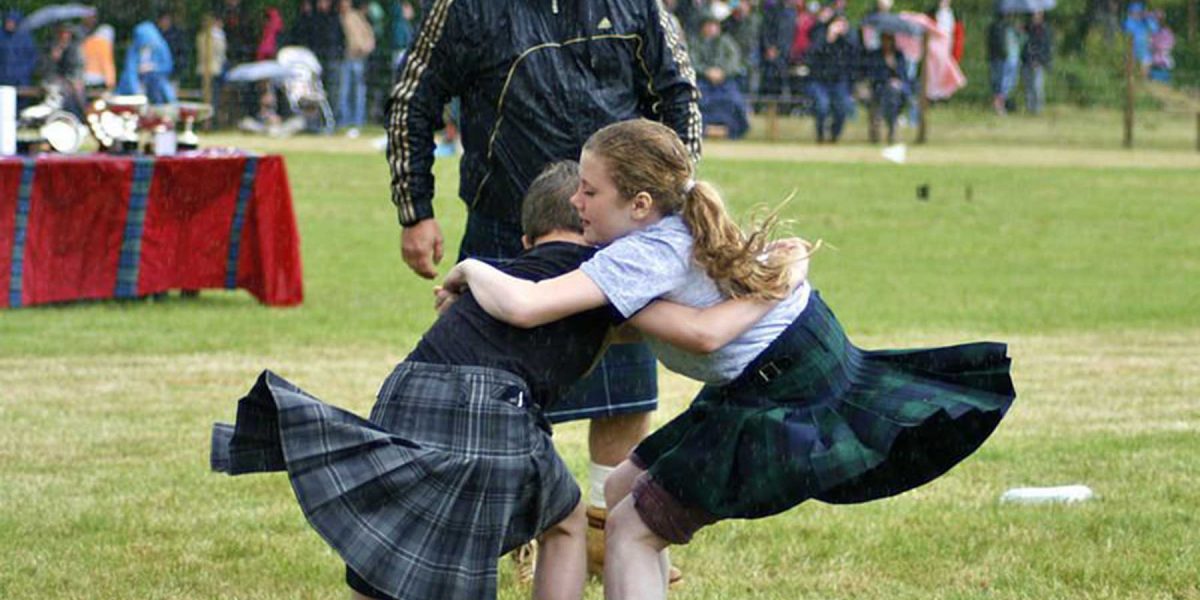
(536, 78)
(833, 61)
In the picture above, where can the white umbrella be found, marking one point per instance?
(55, 13)
(257, 71)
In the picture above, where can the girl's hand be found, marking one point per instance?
(443, 298)
(456, 279)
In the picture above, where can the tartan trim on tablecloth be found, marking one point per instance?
(135, 220)
(17, 267)
(239, 219)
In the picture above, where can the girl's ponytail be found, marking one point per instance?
(740, 264)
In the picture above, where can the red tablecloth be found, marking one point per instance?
(89, 227)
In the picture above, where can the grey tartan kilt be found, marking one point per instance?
(421, 501)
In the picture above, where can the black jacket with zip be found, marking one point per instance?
(536, 78)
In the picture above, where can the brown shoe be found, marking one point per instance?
(596, 518)
(525, 559)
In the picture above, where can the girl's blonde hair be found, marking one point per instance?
(645, 156)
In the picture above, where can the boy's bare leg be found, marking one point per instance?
(620, 482)
(562, 559)
(635, 566)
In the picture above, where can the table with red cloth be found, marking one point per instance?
(100, 226)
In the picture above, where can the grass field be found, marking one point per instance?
(1087, 264)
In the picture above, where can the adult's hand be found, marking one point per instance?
(421, 244)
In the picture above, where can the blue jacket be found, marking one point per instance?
(148, 52)
(18, 54)
(536, 79)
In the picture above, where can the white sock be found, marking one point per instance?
(596, 476)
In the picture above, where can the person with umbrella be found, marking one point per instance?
(148, 65)
(18, 53)
(887, 70)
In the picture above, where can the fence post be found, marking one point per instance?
(1191, 26)
(923, 93)
(1128, 141)
(772, 120)
(1198, 131)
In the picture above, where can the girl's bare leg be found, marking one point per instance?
(636, 563)
(620, 483)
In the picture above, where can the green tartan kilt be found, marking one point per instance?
(816, 417)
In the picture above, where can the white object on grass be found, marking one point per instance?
(897, 153)
(1041, 495)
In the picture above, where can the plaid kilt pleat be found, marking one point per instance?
(421, 500)
(837, 423)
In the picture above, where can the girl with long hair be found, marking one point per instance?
(792, 410)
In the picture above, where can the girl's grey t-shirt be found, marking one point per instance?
(656, 262)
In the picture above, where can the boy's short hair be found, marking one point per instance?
(547, 205)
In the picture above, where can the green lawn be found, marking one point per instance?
(1091, 274)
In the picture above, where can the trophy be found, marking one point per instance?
(46, 126)
(189, 113)
(114, 122)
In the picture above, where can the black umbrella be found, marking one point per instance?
(893, 24)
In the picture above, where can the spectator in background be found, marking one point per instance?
(948, 23)
(688, 14)
(303, 31)
(832, 61)
(352, 83)
(1162, 43)
(806, 20)
(1140, 26)
(743, 27)
(891, 86)
(403, 20)
(775, 42)
(329, 44)
(379, 63)
(99, 65)
(179, 40)
(870, 37)
(211, 51)
(272, 32)
(239, 38)
(18, 52)
(1036, 57)
(716, 59)
(63, 67)
(1004, 56)
(148, 66)
(805, 23)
